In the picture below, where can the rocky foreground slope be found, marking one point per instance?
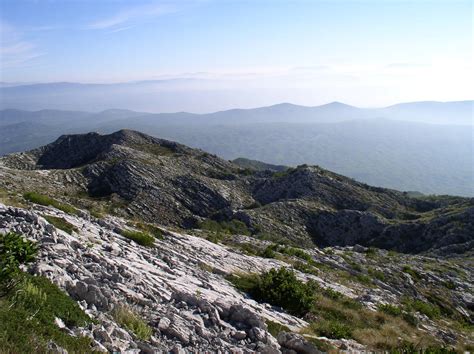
(179, 287)
(164, 182)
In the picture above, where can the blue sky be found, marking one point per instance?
(346, 50)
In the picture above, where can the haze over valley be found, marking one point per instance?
(423, 146)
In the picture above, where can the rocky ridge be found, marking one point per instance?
(156, 180)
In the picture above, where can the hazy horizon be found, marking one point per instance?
(212, 55)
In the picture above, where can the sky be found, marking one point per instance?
(365, 53)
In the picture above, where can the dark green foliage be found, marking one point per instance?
(56, 304)
(14, 251)
(430, 310)
(47, 201)
(390, 309)
(332, 294)
(371, 252)
(334, 329)
(268, 253)
(61, 223)
(450, 285)
(295, 252)
(141, 238)
(413, 273)
(279, 287)
(305, 268)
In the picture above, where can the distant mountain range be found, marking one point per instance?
(198, 95)
(393, 147)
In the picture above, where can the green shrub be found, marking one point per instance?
(133, 322)
(332, 329)
(371, 252)
(268, 252)
(149, 228)
(450, 284)
(247, 248)
(61, 223)
(430, 310)
(378, 274)
(279, 287)
(47, 201)
(14, 251)
(364, 279)
(332, 294)
(305, 268)
(141, 238)
(390, 309)
(413, 273)
(295, 252)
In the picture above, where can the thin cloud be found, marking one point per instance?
(123, 18)
(15, 51)
(120, 29)
(406, 65)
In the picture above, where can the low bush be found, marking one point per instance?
(141, 238)
(413, 273)
(149, 228)
(133, 322)
(61, 223)
(279, 287)
(48, 201)
(427, 309)
(333, 329)
(378, 274)
(391, 310)
(432, 311)
(14, 251)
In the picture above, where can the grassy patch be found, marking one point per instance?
(47, 201)
(233, 227)
(61, 223)
(275, 328)
(206, 267)
(29, 305)
(148, 228)
(139, 237)
(378, 274)
(390, 309)
(133, 322)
